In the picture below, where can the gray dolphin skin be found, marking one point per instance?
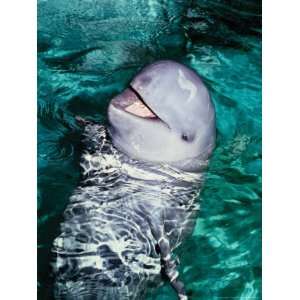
(137, 200)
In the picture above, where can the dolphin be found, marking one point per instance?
(141, 177)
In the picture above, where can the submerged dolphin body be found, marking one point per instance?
(141, 179)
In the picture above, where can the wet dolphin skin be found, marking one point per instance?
(141, 177)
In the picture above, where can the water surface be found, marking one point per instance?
(88, 51)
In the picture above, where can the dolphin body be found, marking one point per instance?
(141, 179)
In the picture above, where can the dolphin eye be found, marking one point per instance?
(185, 137)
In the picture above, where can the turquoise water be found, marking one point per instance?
(88, 51)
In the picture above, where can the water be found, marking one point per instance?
(89, 50)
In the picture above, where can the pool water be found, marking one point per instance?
(88, 50)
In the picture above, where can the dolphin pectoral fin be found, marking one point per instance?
(169, 265)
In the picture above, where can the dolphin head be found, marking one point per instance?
(165, 115)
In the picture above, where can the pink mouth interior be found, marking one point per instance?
(139, 109)
(130, 102)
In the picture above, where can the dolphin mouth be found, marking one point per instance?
(131, 102)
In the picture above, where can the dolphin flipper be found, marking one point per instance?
(170, 267)
(168, 264)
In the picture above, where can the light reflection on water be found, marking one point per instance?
(89, 50)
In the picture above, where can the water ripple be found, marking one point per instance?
(87, 53)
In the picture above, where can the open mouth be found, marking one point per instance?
(131, 102)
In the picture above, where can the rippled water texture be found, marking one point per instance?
(88, 50)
